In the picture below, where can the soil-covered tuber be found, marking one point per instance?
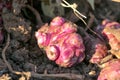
(111, 70)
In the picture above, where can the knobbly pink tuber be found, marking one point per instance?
(99, 54)
(111, 70)
(57, 21)
(96, 49)
(71, 49)
(61, 42)
(43, 38)
(52, 52)
(112, 32)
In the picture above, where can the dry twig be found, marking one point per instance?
(78, 14)
(36, 13)
(90, 22)
(3, 53)
(61, 75)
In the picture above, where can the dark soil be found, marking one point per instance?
(23, 53)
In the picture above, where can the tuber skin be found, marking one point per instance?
(112, 32)
(96, 49)
(111, 70)
(61, 42)
(52, 52)
(99, 53)
(71, 49)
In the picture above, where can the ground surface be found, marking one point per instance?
(23, 53)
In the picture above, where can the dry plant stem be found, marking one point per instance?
(36, 13)
(80, 18)
(62, 75)
(27, 75)
(5, 60)
(79, 15)
(3, 53)
(90, 22)
(76, 12)
(85, 33)
(73, 7)
(88, 27)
